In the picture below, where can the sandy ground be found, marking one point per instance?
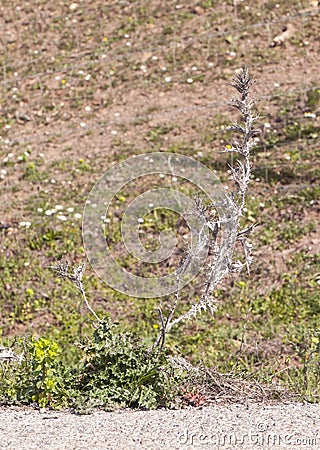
(247, 426)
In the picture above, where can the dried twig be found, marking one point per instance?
(62, 268)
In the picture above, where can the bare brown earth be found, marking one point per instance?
(71, 78)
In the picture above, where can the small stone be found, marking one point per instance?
(198, 10)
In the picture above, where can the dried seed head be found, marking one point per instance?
(242, 81)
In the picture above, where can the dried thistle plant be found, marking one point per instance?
(216, 233)
(221, 235)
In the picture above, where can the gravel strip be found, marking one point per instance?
(247, 426)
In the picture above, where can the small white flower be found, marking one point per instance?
(128, 44)
(114, 132)
(194, 68)
(49, 212)
(52, 181)
(25, 224)
(70, 210)
(77, 216)
(40, 210)
(87, 108)
(174, 179)
(126, 36)
(87, 77)
(82, 124)
(190, 80)
(161, 175)
(3, 171)
(140, 220)
(167, 79)
(61, 217)
(310, 115)
(59, 207)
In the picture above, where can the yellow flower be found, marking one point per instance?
(105, 39)
(63, 81)
(155, 326)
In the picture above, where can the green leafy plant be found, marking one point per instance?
(117, 369)
(37, 377)
(44, 354)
